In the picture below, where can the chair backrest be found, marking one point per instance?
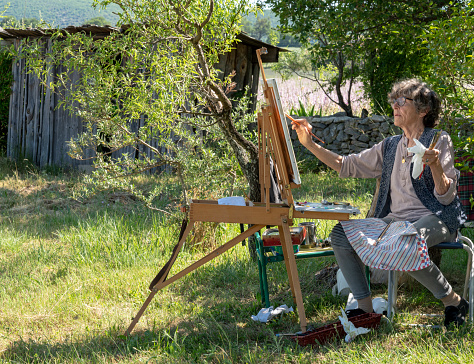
(466, 190)
(371, 211)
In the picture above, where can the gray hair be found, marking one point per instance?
(423, 97)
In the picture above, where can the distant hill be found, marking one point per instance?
(60, 13)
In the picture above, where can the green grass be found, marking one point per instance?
(75, 271)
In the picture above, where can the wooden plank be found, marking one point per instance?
(230, 62)
(12, 143)
(35, 122)
(22, 109)
(292, 270)
(52, 120)
(46, 121)
(213, 212)
(75, 120)
(221, 66)
(235, 214)
(241, 64)
(46, 113)
(279, 158)
(29, 116)
(56, 132)
(39, 137)
(261, 156)
(255, 82)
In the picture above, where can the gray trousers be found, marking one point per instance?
(430, 228)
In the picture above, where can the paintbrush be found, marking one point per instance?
(298, 123)
(432, 145)
(383, 232)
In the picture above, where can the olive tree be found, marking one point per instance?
(155, 81)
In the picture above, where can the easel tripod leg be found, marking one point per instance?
(292, 271)
(154, 290)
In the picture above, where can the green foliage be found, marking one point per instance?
(392, 61)
(98, 20)
(450, 45)
(5, 91)
(12, 22)
(263, 26)
(301, 111)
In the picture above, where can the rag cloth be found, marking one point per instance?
(233, 200)
(266, 314)
(419, 150)
(400, 249)
(350, 329)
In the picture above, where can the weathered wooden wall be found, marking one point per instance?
(38, 128)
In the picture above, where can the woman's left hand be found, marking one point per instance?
(430, 157)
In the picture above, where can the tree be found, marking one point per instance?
(373, 41)
(7, 20)
(262, 28)
(451, 48)
(155, 82)
(98, 20)
(12, 22)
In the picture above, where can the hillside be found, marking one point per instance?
(76, 12)
(60, 12)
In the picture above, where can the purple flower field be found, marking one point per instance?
(297, 88)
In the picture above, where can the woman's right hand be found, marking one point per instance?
(303, 128)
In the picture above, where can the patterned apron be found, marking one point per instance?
(401, 247)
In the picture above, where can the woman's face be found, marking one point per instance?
(406, 115)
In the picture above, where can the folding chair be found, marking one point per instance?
(465, 189)
(462, 242)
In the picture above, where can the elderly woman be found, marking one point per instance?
(429, 202)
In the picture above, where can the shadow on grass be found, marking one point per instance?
(111, 346)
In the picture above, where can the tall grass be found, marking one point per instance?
(73, 274)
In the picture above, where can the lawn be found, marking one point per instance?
(75, 270)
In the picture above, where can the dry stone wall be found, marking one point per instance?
(345, 135)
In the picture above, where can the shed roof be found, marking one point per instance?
(98, 32)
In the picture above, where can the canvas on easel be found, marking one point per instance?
(294, 173)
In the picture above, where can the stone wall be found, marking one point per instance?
(345, 135)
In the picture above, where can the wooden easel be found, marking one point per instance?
(271, 145)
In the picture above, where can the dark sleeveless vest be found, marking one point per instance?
(452, 215)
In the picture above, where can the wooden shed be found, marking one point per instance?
(38, 129)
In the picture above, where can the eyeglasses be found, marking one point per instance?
(401, 100)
